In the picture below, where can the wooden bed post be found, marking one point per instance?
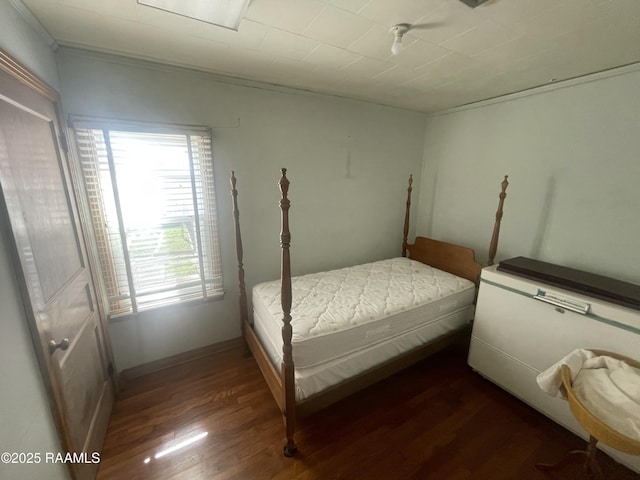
(244, 315)
(287, 366)
(493, 247)
(406, 217)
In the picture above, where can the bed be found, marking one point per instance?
(320, 337)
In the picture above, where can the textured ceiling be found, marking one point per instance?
(453, 55)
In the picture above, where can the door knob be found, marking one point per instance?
(62, 345)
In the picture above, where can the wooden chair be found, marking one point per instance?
(597, 430)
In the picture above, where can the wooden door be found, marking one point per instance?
(38, 205)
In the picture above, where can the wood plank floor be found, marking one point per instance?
(437, 420)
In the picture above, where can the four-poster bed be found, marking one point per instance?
(352, 327)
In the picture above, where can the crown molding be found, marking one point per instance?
(142, 61)
(592, 77)
(26, 14)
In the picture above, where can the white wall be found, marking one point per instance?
(348, 164)
(26, 43)
(572, 154)
(25, 415)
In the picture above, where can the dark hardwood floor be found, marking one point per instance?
(437, 420)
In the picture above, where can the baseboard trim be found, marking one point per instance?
(146, 368)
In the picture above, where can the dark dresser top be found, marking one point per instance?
(598, 286)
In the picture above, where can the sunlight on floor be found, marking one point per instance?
(177, 446)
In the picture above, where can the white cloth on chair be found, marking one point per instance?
(609, 388)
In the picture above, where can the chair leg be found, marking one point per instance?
(590, 463)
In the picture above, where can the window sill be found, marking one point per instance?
(165, 309)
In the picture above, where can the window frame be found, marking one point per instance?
(108, 125)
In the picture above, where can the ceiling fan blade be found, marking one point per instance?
(427, 26)
(473, 3)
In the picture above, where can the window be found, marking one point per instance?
(150, 194)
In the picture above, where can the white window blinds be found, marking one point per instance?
(152, 205)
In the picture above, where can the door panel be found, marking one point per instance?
(54, 277)
(34, 190)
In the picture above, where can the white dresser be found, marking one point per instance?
(515, 337)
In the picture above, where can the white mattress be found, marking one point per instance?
(358, 312)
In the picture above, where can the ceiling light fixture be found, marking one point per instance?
(223, 13)
(398, 31)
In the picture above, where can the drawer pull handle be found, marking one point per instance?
(563, 303)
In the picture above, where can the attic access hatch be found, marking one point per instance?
(223, 13)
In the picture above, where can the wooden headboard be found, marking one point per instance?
(452, 258)
(445, 256)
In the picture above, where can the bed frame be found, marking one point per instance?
(444, 256)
